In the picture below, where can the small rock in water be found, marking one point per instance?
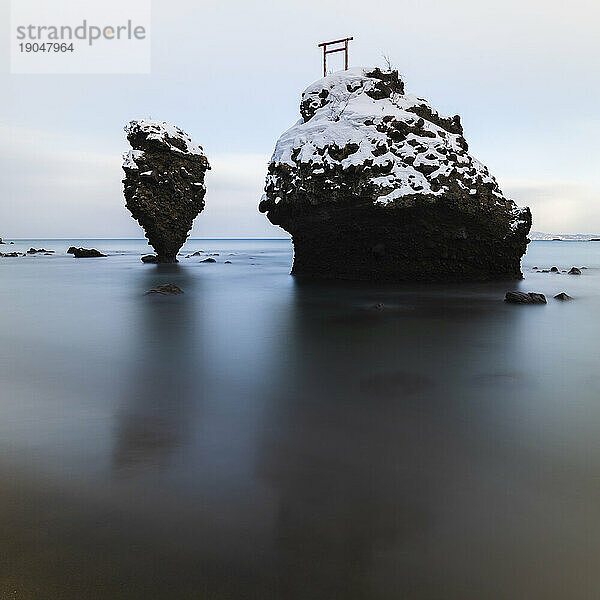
(197, 253)
(554, 270)
(563, 296)
(210, 260)
(40, 251)
(524, 298)
(227, 262)
(167, 289)
(150, 258)
(12, 254)
(85, 252)
(575, 271)
(534, 268)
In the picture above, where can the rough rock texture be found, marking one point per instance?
(524, 298)
(164, 184)
(375, 184)
(575, 271)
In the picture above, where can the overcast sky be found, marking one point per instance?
(522, 75)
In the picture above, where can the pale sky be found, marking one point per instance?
(522, 75)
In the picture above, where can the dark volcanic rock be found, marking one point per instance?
(209, 260)
(150, 258)
(40, 251)
(563, 296)
(12, 254)
(375, 184)
(524, 298)
(85, 252)
(164, 184)
(554, 270)
(575, 271)
(167, 289)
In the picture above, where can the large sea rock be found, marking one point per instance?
(164, 183)
(374, 184)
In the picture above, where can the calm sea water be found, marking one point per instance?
(265, 438)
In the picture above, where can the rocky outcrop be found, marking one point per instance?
(375, 184)
(85, 252)
(164, 184)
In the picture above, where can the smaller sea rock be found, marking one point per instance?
(227, 262)
(554, 270)
(524, 298)
(209, 260)
(1, 242)
(40, 251)
(167, 289)
(85, 252)
(575, 271)
(150, 258)
(563, 296)
(12, 254)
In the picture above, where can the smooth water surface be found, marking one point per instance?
(261, 437)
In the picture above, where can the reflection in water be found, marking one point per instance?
(154, 417)
(364, 448)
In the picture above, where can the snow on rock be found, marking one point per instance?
(362, 140)
(167, 135)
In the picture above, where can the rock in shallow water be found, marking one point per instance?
(167, 289)
(524, 298)
(85, 252)
(375, 184)
(575, 271)
(563, 296)
(164, 183)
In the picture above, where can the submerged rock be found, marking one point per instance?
(375, 184)
(554, 270)
(209, 260)
(85, 252)
(167, 289)
(563, 296)
(575, 271)
(524, 298)
(164, 184)
(40, 251)
(12, 254)
(150, 258)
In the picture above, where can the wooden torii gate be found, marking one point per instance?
(343, 49)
